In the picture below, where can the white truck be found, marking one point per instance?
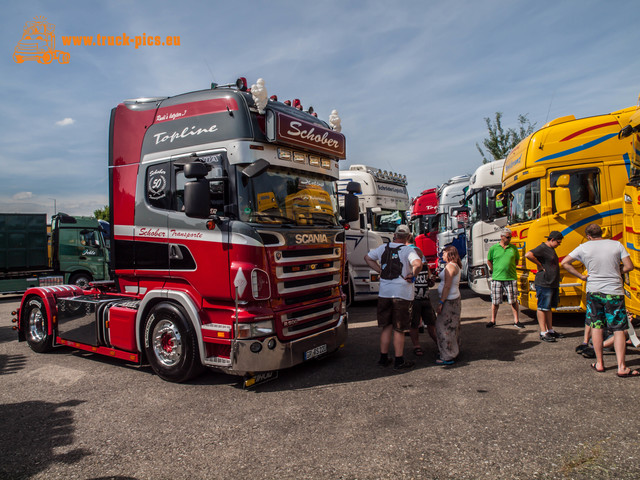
(452, 216)
(383, 202)
(487, 216)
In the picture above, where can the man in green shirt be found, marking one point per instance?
(502, 259)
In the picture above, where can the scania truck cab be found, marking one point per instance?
(487, 216)
(424, 225)
(227, 246)
(567, 175)
(383, 204)
(452, 217)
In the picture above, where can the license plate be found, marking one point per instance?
(315, 352)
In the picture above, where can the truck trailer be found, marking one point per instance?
(227, 247)
(487, 216)
(74, 252)
(383, 203)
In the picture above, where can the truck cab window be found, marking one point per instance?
(216, 193)
(89, 239)
(524, 202)
(386, 220)
(584, 186)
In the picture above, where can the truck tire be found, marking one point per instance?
(170, 344)
(36, 326)
(80, 279)
(350, 293)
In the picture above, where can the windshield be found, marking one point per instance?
(474, 202)
(386, 220)
(424, 224)
(480, 207)
(524, 202)
(280, 196)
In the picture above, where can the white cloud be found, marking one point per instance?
(22, 196)
(66, 121)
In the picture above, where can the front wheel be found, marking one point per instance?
(170, 344)
(36, 326)
(81, 279)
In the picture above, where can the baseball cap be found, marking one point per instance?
(555, 235)
(403, 230)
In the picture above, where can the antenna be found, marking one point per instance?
(550, 102)
(210, 71)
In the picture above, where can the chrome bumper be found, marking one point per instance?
(283, 355)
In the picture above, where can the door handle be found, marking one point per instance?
(175, 253)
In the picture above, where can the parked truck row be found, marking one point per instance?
(71, 250)
(236, 242)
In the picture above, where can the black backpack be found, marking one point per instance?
(391, 264)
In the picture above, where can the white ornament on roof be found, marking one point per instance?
(259, 94)
(334, 121)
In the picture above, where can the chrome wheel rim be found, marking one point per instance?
(37, 331)
(167, 343)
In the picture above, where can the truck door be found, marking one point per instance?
(81, 249)
(588, 201)
(198, 255)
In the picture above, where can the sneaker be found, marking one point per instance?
(406, 365)
(582, 347)
(384, 362)
(491, 324)
(547, 338)
(557, 334)
(518, 325)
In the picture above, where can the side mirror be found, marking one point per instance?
(562, 193)
(354, 187)
(195, 170)
(196, 198)
(351, 212)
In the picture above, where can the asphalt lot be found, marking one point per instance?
(511, 408)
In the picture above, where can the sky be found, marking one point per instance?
(412, 81)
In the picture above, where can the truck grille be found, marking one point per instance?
(302, 270)
(304, 320)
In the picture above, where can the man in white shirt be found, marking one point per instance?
(605, 293)
(398, 264)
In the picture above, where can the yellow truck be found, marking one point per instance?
(630, 136)
(567, 175)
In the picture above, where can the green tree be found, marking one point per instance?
(102, 213)
(500, 141)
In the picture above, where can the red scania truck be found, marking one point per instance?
(227, 246)
(424, 224)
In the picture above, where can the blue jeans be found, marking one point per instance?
(547, 298)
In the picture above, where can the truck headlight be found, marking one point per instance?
(263, 328)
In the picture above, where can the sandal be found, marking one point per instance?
(418, 352)
(595, 367)
(439, 361)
